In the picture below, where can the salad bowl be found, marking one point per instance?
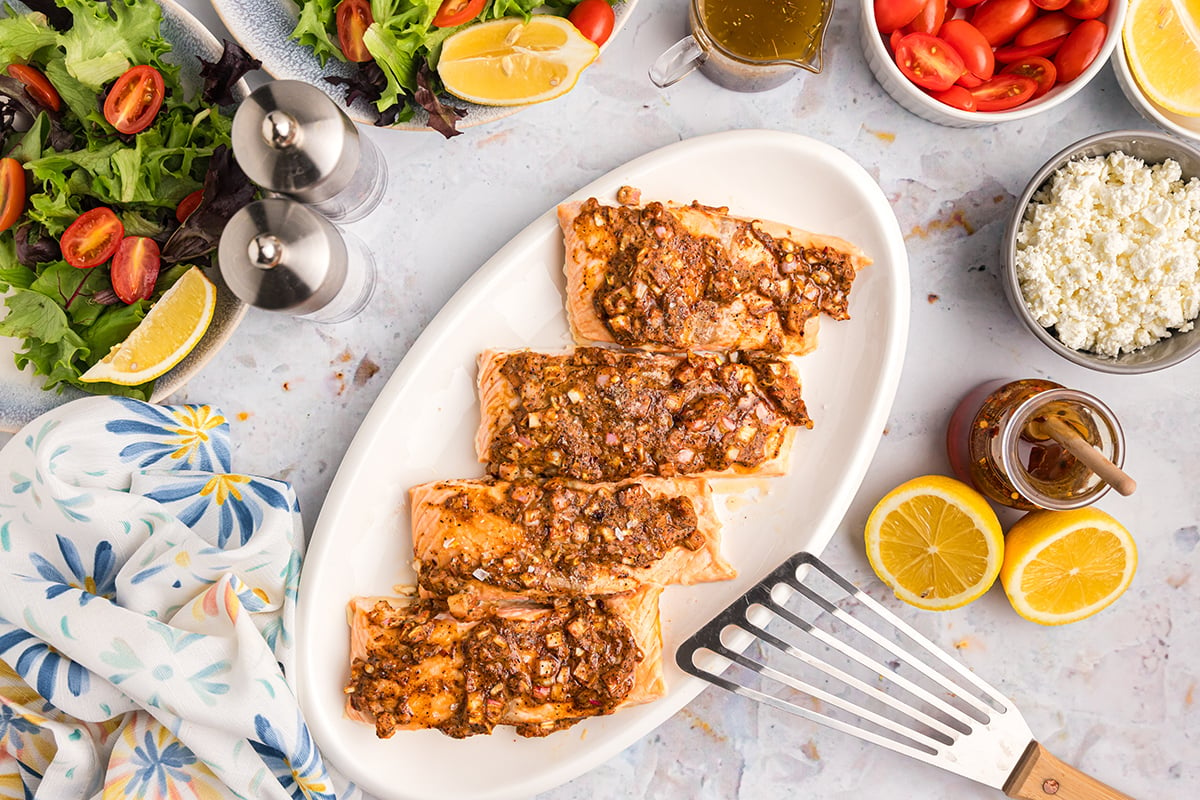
(264, 28)
(21, 395)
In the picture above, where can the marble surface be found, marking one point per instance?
(1117, 695)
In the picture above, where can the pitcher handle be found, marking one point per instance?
(677, 62)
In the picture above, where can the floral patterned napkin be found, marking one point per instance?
(147, 598)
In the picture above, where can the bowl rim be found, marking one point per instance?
(1012, 287)
(1115, 14)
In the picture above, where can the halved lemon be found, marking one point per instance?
(936, 542)
(170, 330)
(508, 62)
(1162, 44)
(1064, 566)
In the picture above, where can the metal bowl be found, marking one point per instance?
(1152, 147)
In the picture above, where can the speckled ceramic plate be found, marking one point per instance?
(264, 28)
(21, 395)
(422, 427)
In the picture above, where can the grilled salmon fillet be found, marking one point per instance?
(670, 277)
(596, 414)
(539, 668)
(494, 539)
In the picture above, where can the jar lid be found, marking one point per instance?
(290, 137)
(279, 255)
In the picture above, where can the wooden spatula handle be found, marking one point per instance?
(1041, 776)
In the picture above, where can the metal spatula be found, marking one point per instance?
(807, 641)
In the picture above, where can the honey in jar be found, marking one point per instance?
(998, 442)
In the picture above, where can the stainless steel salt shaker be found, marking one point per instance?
(292, 139)
(280, 255)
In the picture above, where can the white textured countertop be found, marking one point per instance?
(1117, 695)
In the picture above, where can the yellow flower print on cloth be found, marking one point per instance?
(151, 588)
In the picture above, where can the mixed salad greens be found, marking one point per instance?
(114, 179)
(395, 44)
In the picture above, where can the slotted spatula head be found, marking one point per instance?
(807, 641)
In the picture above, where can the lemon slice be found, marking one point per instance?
(509, 62)
(1063, 566)
(936, 542)
(1162, 44)
(170, 330)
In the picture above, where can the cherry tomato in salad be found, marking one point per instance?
(1047, 26)
(457, 12)
(999, 20)
(1080, 49)
(135, 99)
(891, 15)
(92, 238)
(1085, 9)
(594, 19)
(928, 61)
(956, 97)
(930, 18)
(1038, 68)
(1007, 55)
(969, 42)
(188, 204)
(352, 19)
(12, 192)
(1050, 5)
(38, 85)
(1003, 92)
(135, 268)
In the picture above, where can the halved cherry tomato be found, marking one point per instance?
(968, 80)
(92, 238)
(965, 3)
(1085, 9)
(956, 97)
(135, 268)
(12, 192)
(1050, 5)
(38, 85)
(891, 15)
(895, 36)
(1047, 26)
(1003, 92)
(928, 61)
(135, 99)
(1007, 55)
(999, 20)
(930, 18)
(352, 18)
(1080, 49)
(594, 19)
(1040, 69)
(188, 204)
(969, 42)
(455, 12)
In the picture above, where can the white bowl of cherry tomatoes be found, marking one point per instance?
(965, 63)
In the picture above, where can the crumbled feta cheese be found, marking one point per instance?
(1109, 253)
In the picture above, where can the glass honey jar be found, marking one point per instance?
(1000, 441)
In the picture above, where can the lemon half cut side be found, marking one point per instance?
(1162, 45)
(509, 61)
(171, 329)
(936, 542)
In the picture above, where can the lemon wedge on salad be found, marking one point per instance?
(170, 330)
(509, 62)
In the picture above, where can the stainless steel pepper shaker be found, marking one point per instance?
(292, 139)
(280, 255)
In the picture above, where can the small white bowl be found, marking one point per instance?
(1188, 127)
(915, 100)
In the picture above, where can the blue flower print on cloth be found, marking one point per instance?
(147, 600)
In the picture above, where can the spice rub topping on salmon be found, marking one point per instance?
(478, 541)
(539, 668)
(596, 414)
(670, 277)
